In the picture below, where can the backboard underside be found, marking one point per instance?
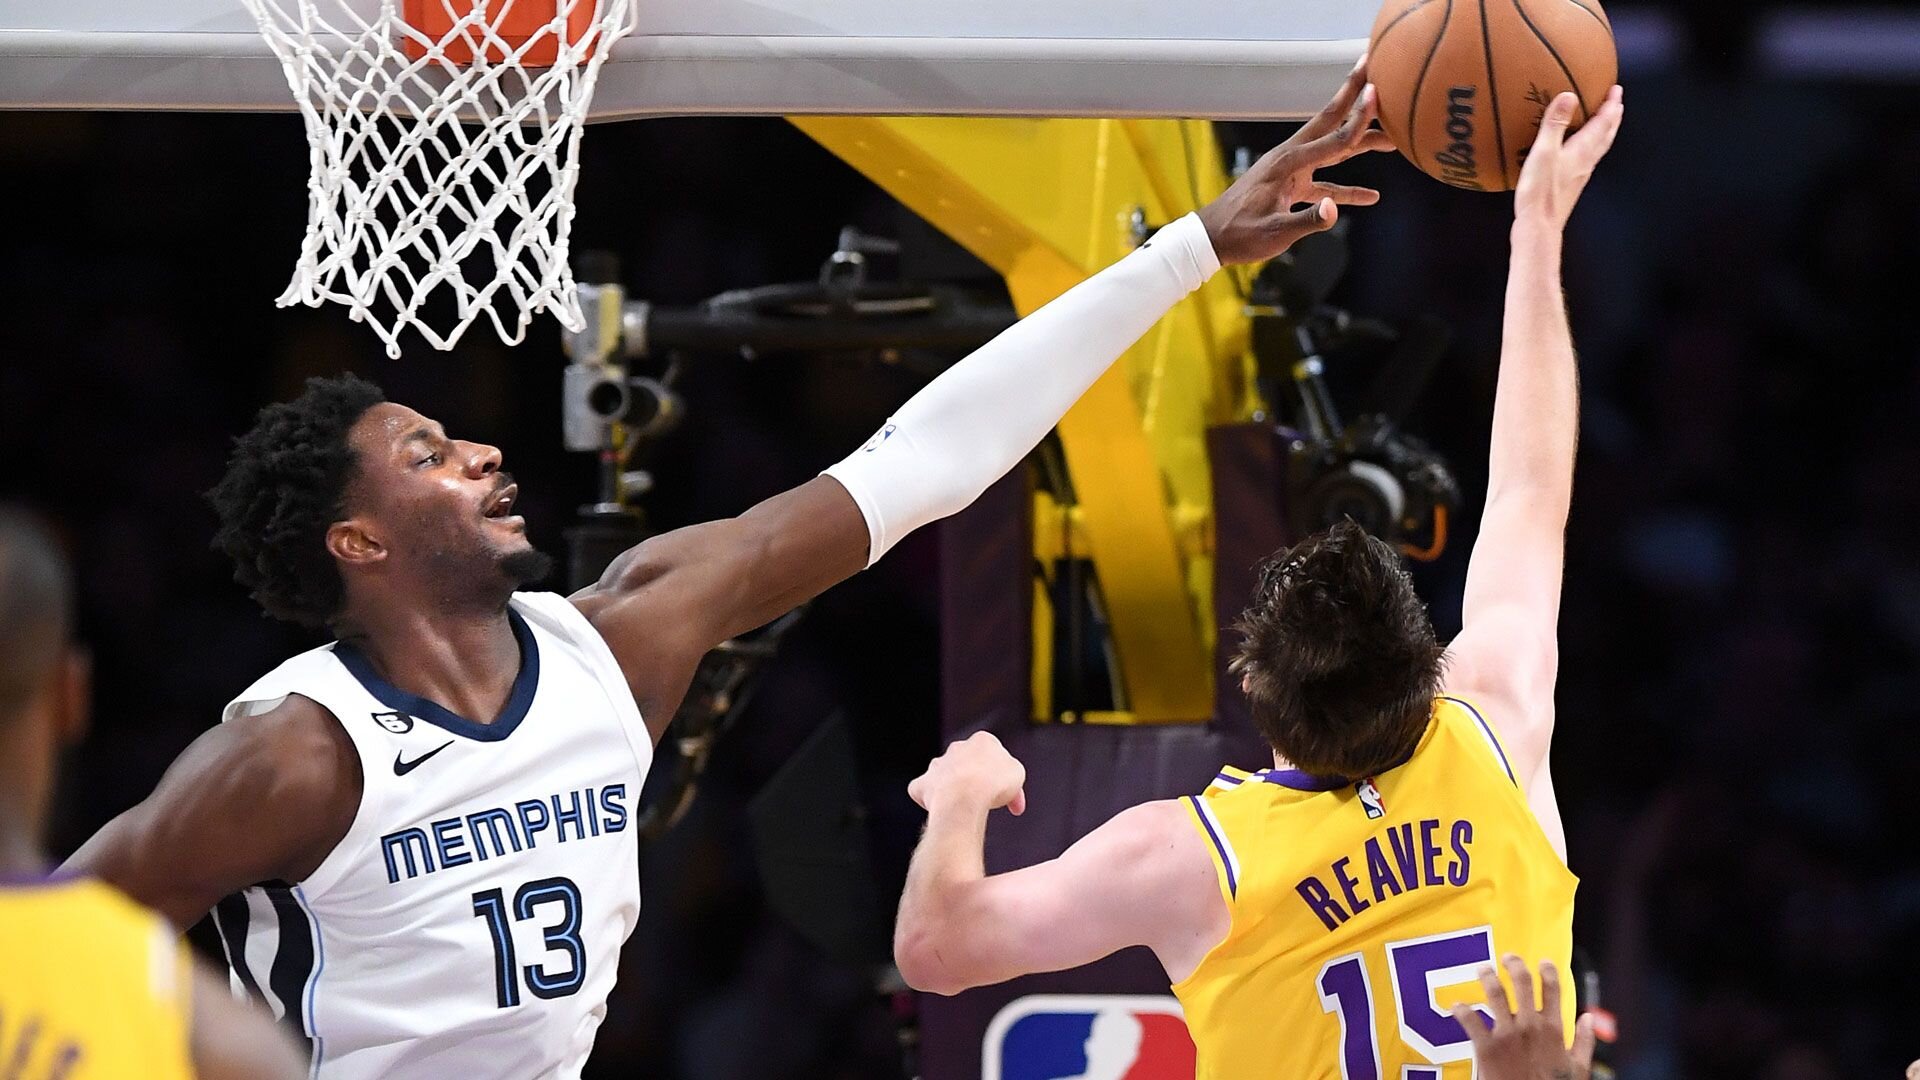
(1223, 59)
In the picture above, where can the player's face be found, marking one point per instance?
(441, 503)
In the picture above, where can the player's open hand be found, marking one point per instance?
(977, 770)
(1278, 200)
(1526, 1043)
(1559, 165)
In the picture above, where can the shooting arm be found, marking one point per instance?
(1507, 654)
(258, 799)
(1140, 879)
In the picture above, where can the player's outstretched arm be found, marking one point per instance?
(1143, 878)
(259, 799)
(1506, 656)
(662, 605)
(1525, 1043)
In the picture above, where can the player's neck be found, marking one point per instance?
(465, 662)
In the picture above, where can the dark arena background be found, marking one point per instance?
(1740, 639)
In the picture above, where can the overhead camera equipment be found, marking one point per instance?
(1390, 483)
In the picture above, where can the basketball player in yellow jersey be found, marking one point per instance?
(1321, 918)
(92, 987)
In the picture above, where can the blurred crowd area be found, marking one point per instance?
(1740, 639)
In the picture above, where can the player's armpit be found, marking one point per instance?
(237, 1040)
(261, 798)
(664, 603)
(1506, 663)
(1142, 878)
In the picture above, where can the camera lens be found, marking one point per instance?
(607, 398)
(1360, 490)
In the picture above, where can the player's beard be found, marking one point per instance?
(526, 567)
(461, 588)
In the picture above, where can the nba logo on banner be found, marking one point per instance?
(1088, 1037)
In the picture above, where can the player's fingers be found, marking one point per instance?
(917, 791)
(1550, 995)
(1522, 980)
(1497, 1003)
(1473, 1024)
(1369, 141)
(1553, 126)
(1583, 1042)
(1329, 117)
(1595, 138)
(1344, 195)
(1338, 142)
(1319, 217)
(1018, 804)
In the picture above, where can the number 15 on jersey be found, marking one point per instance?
(1417, 968)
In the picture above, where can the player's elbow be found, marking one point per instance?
(927, 959)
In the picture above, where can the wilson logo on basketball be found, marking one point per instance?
(1457, 165)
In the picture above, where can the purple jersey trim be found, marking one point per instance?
(1492, 740)
(1226, 861)
(1299, 781)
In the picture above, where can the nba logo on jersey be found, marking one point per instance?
(1088, 1037)
(1370, 798)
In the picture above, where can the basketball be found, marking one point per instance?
(1463, 83)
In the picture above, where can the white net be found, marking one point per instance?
(445, 144)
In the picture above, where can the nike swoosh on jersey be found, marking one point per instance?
(402, 767)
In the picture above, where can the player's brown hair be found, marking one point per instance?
(1338, 656)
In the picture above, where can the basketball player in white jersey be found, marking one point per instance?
(419, 838)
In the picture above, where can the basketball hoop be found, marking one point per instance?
(445, 143)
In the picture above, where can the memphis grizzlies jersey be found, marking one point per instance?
(1362, 912)
(469, 925)
(92, 986)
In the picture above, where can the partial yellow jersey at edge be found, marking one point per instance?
(1361, 913)
(92, 986)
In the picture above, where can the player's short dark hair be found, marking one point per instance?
(1338, 655)
(285, 484)
(36, 606)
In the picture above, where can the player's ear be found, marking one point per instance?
(351, 541)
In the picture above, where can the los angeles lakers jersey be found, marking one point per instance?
(469, 924)
(1362, 912)
(92, 987)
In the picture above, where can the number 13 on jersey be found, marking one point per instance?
(1417, 967)
(562, 936)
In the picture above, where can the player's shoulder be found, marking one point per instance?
(1461, 725)
(1151, 823)
(295, 752)
(1230, 778)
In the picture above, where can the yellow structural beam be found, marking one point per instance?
(1047, 203)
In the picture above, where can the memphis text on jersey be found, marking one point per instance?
(1411, 858)
(499, 832)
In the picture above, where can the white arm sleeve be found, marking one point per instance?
(975, 422)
